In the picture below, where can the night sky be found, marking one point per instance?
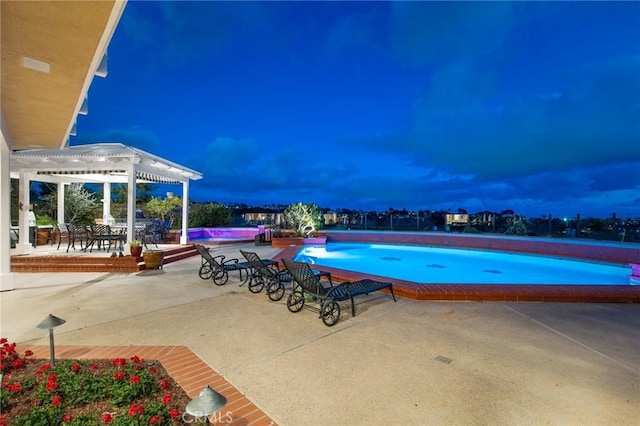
(528, 106)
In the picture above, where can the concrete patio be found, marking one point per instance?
(410, 362)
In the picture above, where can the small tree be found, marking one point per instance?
(163, 209)
(517, 226)
(303, 218)
(79, 204)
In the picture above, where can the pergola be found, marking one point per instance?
(104, 163)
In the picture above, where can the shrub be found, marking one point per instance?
(211, 215)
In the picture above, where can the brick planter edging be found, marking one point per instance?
(184, 366)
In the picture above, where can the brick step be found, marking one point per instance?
(88, 263)
(173, 255)
(73, 264)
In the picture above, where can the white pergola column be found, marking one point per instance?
(184, 236)
(24, 246)
(106, 202)
(6, 278)
(60, 200)
(131, 203)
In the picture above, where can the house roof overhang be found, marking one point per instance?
(49, 53)
(101, 162)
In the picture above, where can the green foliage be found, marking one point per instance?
(303, 218)
(516, 226)
(211, 215)
(44, 219)
(44, 415)
(470, 230)
(5, 396)
(79, 204)
(163, 208)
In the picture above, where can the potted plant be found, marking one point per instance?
(135, 247)
(153, 259)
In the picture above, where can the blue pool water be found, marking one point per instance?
(462, 266)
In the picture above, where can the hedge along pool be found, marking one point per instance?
(426, 265)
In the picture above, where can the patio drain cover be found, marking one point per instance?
(443, 359)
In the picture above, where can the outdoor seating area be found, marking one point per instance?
(305, 284)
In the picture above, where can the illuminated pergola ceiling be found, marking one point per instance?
(51, 51)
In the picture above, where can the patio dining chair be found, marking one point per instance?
(77, 233)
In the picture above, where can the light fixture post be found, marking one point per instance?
(206, 403)
(49, 323)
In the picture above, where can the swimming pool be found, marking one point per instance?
(427, 265)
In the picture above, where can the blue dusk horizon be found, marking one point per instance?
(486, 106)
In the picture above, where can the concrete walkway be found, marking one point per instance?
(407, 363)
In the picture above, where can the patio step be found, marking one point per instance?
(173, 255)
(73, 263)
(97, 263)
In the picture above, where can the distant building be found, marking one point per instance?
(459, 219)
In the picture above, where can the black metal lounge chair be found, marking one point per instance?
(265, 273)
(216, 267)
(306, 283)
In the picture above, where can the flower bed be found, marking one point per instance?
(74, 392)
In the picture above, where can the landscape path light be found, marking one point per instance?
(49, 323)
(206, 403)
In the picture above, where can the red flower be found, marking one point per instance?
(52, 377)
(119, 362)
(75, 367)
(51, 386)
(15, 387)
(166, 399)
(3, 341)
(135, 409)
(94, 366)
(136, 359)
(153, 369)
(28, 352)
(18, 363)
(106, 418)
(67, 418)
(134, 379)
(57, 400)
(155, 420)
(164, 384)
(174, 413)
(42, 369)
(119, 375)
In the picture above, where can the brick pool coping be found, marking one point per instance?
(495, 292)
(182, 364)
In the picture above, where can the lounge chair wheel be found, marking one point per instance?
(275, 291)
(330, 313)
(220, 277)
(205, 272)
(256, 284)
(295, 302)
